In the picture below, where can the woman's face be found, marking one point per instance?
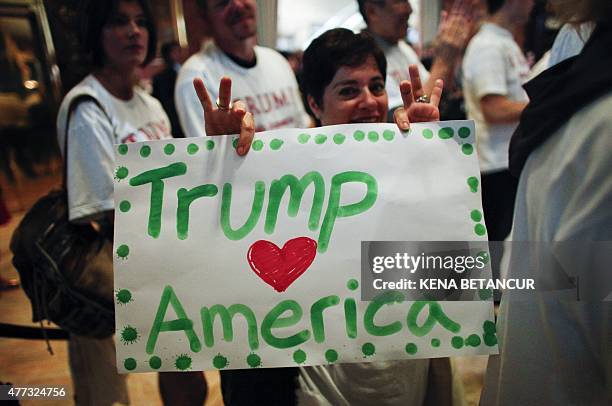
(125, 36)
(355, 95)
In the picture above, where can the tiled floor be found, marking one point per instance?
(27, 362)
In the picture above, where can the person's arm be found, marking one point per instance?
(455, 28)
(227, 117)
(91, 164)
(498, 109)
(413, 111)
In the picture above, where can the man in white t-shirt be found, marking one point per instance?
(494, 69)
(263, 80)
(387, 21)
(261, 77)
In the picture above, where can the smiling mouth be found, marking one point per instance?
(240, 18)
(373, 119)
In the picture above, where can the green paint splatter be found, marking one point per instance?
(480, 229)
(123, 149)
(169, 149)
(210, 145)
(145, 151)
(467, 149)
(123, 251)
(473, 184)
(183, 362)
(155, 362)
(446, 133)
(235, 143)
(359, 135)
(331, 355)
(303, 138)
(485, 256)
(275, 144)
(192, 149)
(122, 172)
(435, 342)
(320, 139)
(124, 296)
(388, 135)
(373, 136)
(457, 342)
(339, 139)
(129, 335)
(129, 364)
(489, 327)
(428, 134)
(220, 362)
(299, 357)
(352, 284)
(368, 349)
(490, 339)
(254, 360)
(258, 145)
(125, 206)
(485, 294)
(473, 340)
(464, 132)
(476, 215)
(411, 348)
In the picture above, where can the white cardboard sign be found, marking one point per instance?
(228, 262)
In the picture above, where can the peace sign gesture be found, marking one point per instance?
(227, 117)
(418, 107)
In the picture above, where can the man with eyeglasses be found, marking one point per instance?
(387, 21)
(261, 78)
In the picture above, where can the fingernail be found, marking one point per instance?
(240, 150)
(405, 125)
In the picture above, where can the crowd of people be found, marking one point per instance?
(550, 183)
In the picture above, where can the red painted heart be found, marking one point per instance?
(278, 267)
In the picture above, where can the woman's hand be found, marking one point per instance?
(227, 118)
(418, 108)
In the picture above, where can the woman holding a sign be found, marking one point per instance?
(343, 82)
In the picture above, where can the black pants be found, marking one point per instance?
(255, 387)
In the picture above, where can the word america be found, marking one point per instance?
(420, 319)
(334, 210)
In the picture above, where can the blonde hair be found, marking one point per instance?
(583, 11)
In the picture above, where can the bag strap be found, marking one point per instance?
(73, 105)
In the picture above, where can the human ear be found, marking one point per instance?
(314, 107)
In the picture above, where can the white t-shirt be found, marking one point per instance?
(377, 383)
(91, 140)
(268, 89)
(569, 42)
(399, 56)
(554, 350)
(493, 65)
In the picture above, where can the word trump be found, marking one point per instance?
(185, 197)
